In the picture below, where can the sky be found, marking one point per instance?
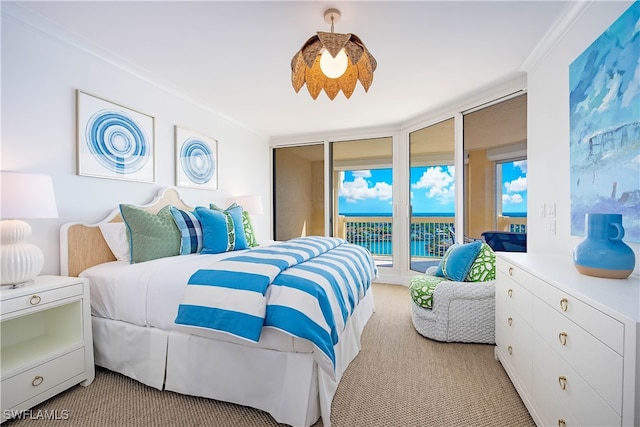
(432, 190)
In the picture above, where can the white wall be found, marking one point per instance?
(548, 130)
(40, 74)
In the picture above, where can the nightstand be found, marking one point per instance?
(46, 341)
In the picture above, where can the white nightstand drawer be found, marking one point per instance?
(36, 298)
(32, 382)
(598, 364)
(570, 389)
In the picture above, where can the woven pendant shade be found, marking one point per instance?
(305, 65)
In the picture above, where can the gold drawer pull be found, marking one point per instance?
(37, 380)
(510, 350)
(564, 304)
(35, 300)
(562, 380)
(510, 271)
(510, 293)
(562, 336)
(562, 422)
(509, 321)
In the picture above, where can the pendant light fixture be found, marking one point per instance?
(333, 62)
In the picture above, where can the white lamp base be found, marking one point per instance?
(19, 262)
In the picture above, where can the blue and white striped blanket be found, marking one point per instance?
(306, 287)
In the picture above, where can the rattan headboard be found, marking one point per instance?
(82, 245)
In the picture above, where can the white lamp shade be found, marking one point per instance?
(27, 196)
(251, 204)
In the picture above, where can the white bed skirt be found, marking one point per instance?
(288, 385)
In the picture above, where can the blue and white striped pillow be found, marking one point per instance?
(190, 231)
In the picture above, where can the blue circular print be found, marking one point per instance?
(117, 141)
(197, 161)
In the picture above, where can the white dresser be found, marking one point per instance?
(46, 342)
(570, 343)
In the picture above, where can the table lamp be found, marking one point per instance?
(24, 196)
(251, 204)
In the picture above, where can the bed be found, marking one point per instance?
(139, 332)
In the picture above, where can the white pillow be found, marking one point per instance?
(115, 234)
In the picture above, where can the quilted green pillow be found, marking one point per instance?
(483, 268)
(150, 236)
(421, 288)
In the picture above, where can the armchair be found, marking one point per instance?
(461, 312)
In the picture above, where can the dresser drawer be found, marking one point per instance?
(35, 299)
(598, 364)
(549, 408)
(510, 324)
(556, 376)
(516, 350)
(511, 294)
(32, 382)
(605, 328)
(517, 274)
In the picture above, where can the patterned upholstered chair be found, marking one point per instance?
(460, 311)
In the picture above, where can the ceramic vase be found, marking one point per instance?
(603, 253)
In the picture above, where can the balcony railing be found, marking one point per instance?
(430, 236)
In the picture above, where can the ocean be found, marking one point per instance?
(436, 214)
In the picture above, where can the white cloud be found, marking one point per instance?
(522, 165)
(517, 185)
(359, 189)
(512, 198)
(362, 173)
(439, 183)
(435, 179)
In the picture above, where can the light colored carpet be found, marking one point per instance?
(399, 379)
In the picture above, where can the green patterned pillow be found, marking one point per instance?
(237, 235)
(252, 242)
(483, 268)
(421, 288)
(150, 236)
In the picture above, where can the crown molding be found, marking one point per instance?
(46, 27)
(567, 19)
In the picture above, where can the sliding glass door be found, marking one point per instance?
(495, 147)
(298, 191)
(432, 193)
(362, 177)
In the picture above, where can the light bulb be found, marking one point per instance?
(334, 67)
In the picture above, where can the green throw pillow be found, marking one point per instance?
(237, 235)
(252, 242)
(150, 236)
(421, 288)
(483, 268)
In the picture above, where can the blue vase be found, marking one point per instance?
(603, 253)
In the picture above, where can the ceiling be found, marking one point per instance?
(234, 57)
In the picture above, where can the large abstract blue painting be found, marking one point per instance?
(604, 123)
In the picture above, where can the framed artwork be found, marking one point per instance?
(114, 141)
(196, 160)
(604, 123)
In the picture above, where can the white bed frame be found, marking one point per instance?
(289, 385)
